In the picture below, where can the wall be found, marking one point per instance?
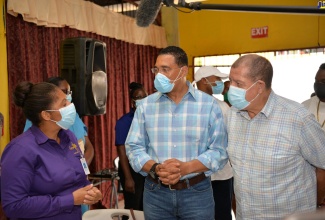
(204, 32)
(4, 101)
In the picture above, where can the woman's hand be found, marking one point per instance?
(93, 196)
(79, 194)
(87, 195)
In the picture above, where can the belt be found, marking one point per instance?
(182, 184)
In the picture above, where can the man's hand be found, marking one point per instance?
(129, 185)
(169, 171)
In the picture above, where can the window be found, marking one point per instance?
(293, 70)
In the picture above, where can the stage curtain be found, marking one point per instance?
(87, 16)
(33, 55)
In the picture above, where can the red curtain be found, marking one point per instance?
(33, 55)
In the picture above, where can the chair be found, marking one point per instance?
(109, 214)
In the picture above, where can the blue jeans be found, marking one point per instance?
(196, 202)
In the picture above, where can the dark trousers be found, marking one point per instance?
(222, 194)
(132, 200)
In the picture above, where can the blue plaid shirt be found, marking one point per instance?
(192, 129)
(273, 157)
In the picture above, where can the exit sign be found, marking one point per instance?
(260, 32)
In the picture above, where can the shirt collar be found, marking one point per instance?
(41, 138)
(191, 90)
(270, 105)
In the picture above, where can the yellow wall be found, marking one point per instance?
(203, 33)
(4, 101)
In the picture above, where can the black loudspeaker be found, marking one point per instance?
(83, 65)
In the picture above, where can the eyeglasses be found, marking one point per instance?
(67, 92)
(164, 70)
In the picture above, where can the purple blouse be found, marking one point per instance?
(38, 176)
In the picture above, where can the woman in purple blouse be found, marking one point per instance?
(43, 171)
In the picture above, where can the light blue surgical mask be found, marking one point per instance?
(162, 83)
(69, 97)
(218, 88)
(68, 116)
(237, 97)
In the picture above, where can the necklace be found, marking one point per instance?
(318, 114)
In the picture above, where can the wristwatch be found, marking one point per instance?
(152, 171)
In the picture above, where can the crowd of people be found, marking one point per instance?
(183, 154)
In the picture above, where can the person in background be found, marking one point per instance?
(132, 182)
(225, 92)
(177, 140)
(316, 105)
(208, 79)
(274, 145)
(43, 172)
(78, 128)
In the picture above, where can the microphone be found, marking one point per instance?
(147, 12)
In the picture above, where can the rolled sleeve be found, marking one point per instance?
(215, 157)
(135, 143)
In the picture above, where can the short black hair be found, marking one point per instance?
(178, 53)
(56, 80)
(134, 86)
(322, 66)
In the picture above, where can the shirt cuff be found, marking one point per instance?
(67, 203)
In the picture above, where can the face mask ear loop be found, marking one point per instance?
(256, 95)
(251, 86)
(178, 75)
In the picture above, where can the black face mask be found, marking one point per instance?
(319, 90)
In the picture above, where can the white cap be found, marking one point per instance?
(206, 71)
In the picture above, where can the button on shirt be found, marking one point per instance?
(38, 176)
(273, 157)
(192, 129)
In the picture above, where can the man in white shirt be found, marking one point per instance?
(316, 105)
(208, 79)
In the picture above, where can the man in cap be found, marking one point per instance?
(208, 79)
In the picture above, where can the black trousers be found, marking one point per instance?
(222, 194)
(132, 200)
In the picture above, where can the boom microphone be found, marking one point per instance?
(147, 12)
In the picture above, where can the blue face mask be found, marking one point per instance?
(218, 88)
(68, 116)
(69, 97)
(237, 97)
(163, 84)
